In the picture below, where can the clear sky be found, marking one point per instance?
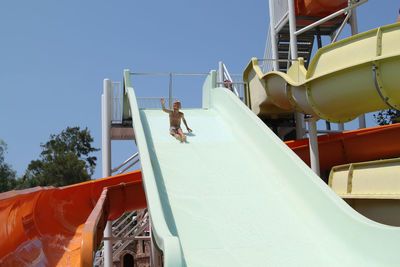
(55, 55)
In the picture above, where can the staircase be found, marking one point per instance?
(129, 225)
(133, 225)
(305, 41)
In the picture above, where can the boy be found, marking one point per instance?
(175, 117)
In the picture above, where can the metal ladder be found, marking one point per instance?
(132, 224)
(305, 41)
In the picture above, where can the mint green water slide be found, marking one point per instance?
(236, 195)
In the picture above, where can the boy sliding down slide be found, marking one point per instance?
(175, 117)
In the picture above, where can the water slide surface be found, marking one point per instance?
(236, 195)
(51, 226)
(345, 79)
(350, 146)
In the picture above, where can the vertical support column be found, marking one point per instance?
(314, 153)
(220, 78)
(170, 91)
(292, 29)
(151, 244)
(106, 159)
(354, 31)
(293, 54)
(274, 45)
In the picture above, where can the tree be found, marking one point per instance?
(7, 174)
(66, 159)
(387, 116)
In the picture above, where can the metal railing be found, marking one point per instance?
(225, 78)
(151, 102)
(133, 228)
(240, 87)
(128, 228)
(131, 158)
(267, 66)
(116, 115)
(154, 102)
(280, 9)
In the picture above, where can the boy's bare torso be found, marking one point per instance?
(175, 118)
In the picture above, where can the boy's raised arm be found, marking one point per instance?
(163, 106)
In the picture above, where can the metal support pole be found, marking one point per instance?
(220, 78)
(170, 91)
(292, 29)
(293, 54)
(151, 245)
(274, 45)
(106, 159)
(314, 153)
(354, 31)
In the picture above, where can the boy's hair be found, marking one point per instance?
(178, 103)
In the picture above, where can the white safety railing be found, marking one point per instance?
(240, 87)
(154, 102)
(227, 78)
(116, 102)
(280, 9)
(233, 82)
(267, 66)
(133, 158)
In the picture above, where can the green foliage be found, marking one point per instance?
(386, 117)
(7, 174)
(65, 159)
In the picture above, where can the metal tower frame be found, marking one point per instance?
(281, 13)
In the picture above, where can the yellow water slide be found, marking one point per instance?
(345, 79)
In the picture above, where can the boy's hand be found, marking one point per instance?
(162, 101)
(189, 130)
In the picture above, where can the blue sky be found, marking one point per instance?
(55, 55)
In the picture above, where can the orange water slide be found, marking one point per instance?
(318, 8)
(49, 226)
(352, 146)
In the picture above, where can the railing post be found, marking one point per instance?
(106, 159)
(220, 78)
(274, 46)
(293, 53)
(170, 91)
(292, 29)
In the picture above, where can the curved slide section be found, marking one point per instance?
(50, 227)
(345, 79)
(352, 146)
(236, 195)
